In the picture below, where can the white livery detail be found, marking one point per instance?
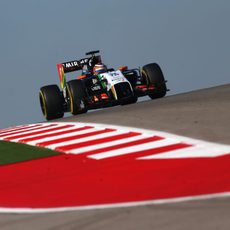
(113, 78)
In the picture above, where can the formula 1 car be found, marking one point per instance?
(91, 91)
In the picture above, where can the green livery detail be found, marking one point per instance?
(100, 77)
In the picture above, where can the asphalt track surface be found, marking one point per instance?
(202, 114)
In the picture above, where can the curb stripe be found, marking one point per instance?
(28, 130)
(53, 134)
(140, 153)
(65, 139)
(134, 149)
(108, 144)
(87, 139)
(38, 132)
(124, 145)
(76, 131)
(97, 141)
(104, 141)
(18, 128)
(193, 152)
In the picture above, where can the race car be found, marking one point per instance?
(98, 86)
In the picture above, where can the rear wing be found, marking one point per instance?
(76, 65)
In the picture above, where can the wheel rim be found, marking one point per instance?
(43, 104)
(145, 76)
(70, 99)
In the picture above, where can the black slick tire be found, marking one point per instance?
(152, 75)
(51, 101)
(77, 97)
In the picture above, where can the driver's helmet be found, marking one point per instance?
(99, 68)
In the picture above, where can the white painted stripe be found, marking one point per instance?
(191, 152)
(45, 133)
(90, 130)
(11, 129)
(116, 205)
(94, 137)
(48, 133)
(107, 144)
(136, 148)
(18, 129)
(52, 132)
(29, 131)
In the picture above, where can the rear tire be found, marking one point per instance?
(153, 75)
(77, 97)
(51, 101)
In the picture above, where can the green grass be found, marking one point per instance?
(16, 152)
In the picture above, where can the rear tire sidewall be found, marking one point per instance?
(51, 101)
(77, 97)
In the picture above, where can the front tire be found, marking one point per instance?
(152, 75)
(51, 101)
(77, 97)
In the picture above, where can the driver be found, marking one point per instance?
(99, 68)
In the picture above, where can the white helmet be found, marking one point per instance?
(99, 68)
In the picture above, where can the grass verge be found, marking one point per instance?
(16, 152)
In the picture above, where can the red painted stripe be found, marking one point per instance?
(55, 134)
(97, 141)
(28, 130)
(158, 150)
(60, 140)
(124, 145)
(10, 130)
(38, 132)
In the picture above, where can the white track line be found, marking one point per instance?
(117, 205)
